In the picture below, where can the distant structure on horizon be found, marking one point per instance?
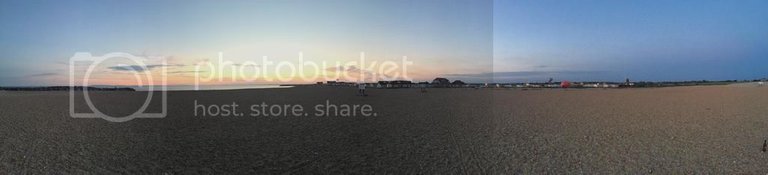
(395, 84)
(441, 82)
(438, 82)
(66, 88)
(458, 83)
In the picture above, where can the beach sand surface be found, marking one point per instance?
(699, 129)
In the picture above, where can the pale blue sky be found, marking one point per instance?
(639, 39)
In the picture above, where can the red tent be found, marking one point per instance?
(565, 84)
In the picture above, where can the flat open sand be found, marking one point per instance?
(706, 129)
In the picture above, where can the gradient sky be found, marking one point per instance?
(518, 40)
(642, 39)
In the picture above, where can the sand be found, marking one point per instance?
(707, 129)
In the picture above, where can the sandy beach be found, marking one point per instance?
(676, 130)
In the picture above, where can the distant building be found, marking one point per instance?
(395, 84)
(627, 83)
(423, 84)
(552, 85)
(340, 83)
(441, 82)
(458, 83)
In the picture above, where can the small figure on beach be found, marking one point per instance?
(361, 89)
(765, 144)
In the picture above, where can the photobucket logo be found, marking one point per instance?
(79, 82)
(304, 70)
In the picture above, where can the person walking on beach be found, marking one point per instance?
(361, 89)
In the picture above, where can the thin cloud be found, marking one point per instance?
(137, 68)
(42, 75)
(355, 70)
(183, 72)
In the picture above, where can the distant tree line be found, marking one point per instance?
(66, 88)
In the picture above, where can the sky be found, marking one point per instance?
(507, 40)
(650, 40)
